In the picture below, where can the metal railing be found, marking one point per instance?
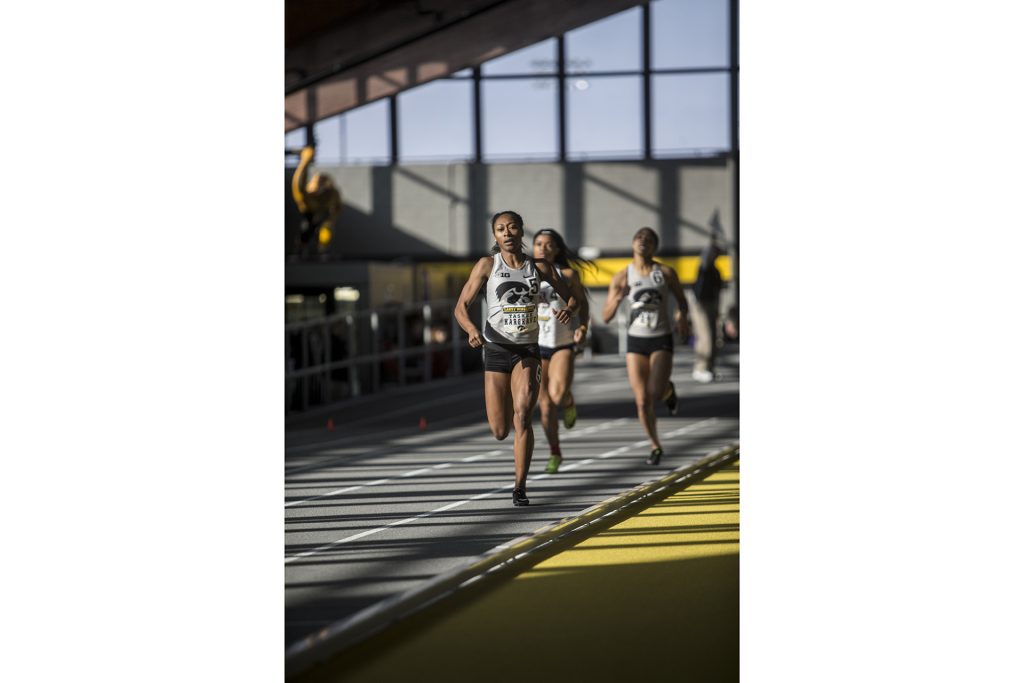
(351, 354)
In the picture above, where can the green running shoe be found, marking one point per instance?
(569, 415)
(553, 463)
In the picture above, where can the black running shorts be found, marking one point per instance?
(503, 357)
(645, 346)
(546, 351)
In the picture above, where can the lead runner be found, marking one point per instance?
(509, 337)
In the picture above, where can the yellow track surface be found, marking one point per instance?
(655, 596)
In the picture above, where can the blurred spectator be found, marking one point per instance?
(439, 360)
(317, 348)
(731, 326)
(706, 290)
(339, 352)
(319, 202)
(289, 366)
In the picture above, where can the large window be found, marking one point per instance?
(294, 140)
(653, 81)
(690, 114)
(435, 122)
(540, 58)
(365, 134)
(520, 118)
(611, 44)
(359, 136)
(605, 118)
(688, 34)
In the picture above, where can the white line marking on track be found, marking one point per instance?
(481, 456)
(451, 506)
(415, 472)
(472, 458)
(573, 466)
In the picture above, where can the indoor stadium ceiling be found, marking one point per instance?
(340, 54)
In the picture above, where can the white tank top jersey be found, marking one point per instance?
(648, 303)
(512, 296)
(553, 333)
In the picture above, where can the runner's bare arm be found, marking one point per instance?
(672, 280)
(470, 290)
(616, 292)
(550, 274)
(576, 285)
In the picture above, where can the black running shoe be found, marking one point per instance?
(519, 497)
(671, 401)
(655, 457)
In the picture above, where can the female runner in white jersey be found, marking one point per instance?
(509, 338)
(558, 342)
(649, 339)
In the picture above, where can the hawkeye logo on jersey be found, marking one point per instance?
(518, 310)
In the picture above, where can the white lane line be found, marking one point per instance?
(415, 472)
(451, 398)
(674, 433)
(369, 532)
(378, 482)
(581, 463)
(479, 496)
(413, 441)
(324, 446)
(473, 458)
(481, 456)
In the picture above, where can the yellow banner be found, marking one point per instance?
(685, 266)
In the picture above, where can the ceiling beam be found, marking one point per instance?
(424, 52)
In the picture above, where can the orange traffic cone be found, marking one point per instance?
(423, 423)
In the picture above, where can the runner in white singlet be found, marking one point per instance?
(649, 337)
(512, 282)
(558, 343)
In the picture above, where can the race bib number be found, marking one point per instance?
(519, 319)
(647, 319)
(546, 316)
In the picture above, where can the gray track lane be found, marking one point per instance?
(376, 506)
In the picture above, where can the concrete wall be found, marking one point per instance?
(443, 211)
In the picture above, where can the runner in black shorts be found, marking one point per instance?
(509, 338)
(503, 357)
(645, 346)
(649, 341)
(547, 353)
(558, 342)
